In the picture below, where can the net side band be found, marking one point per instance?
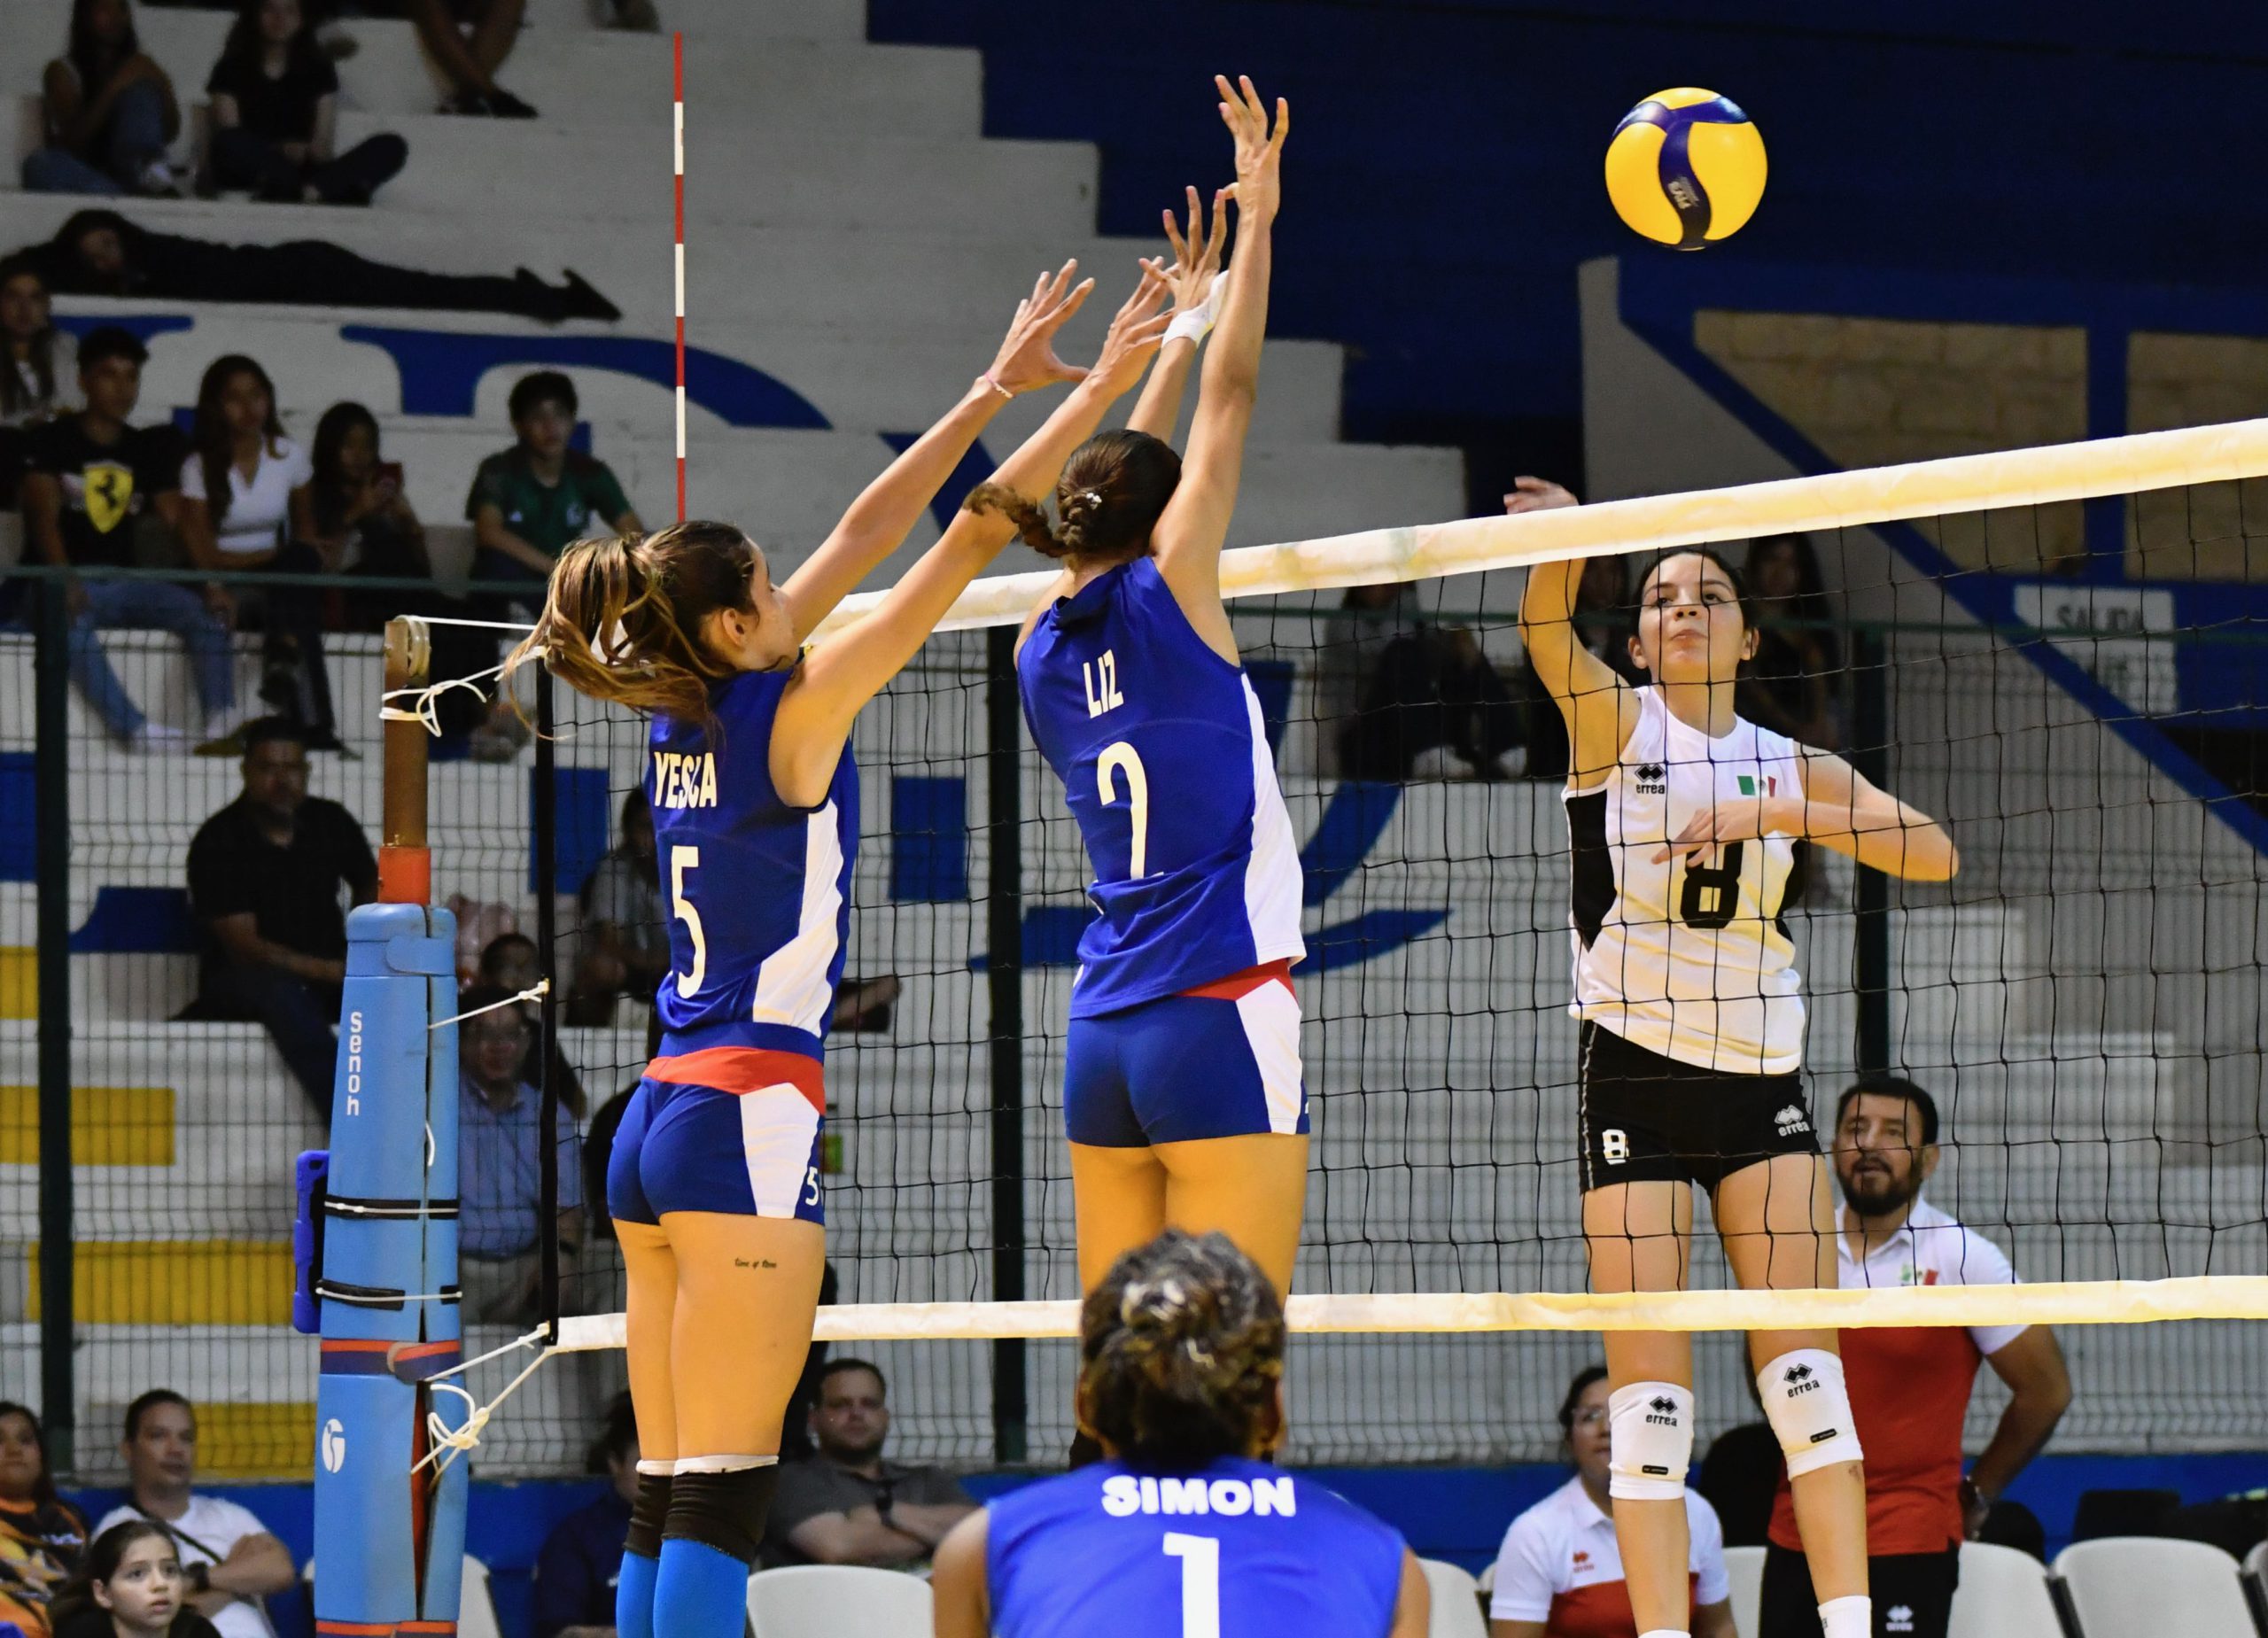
(2070, 1302)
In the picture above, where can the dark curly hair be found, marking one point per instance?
(1181, 1350)
(1112, 493)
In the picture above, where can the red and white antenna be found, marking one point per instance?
(677, 48)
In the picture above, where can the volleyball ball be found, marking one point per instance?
(1686, 167)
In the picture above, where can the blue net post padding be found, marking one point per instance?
(386, 1288)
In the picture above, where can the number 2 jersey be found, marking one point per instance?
(1691, 961)
(759, 891)
(1235, 1550)
(1166, 768)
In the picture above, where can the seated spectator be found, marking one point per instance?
(358, 516)
(265, 877)
(244, 505)
(468, 40)
(131, 1586)
(1429, 689)
(107, 109)
(1794, 684)
(501, 1164)
(1739, 1476)
(1560, 1568)
(230, 1559)
(530, 501)
(89, 479)
(625, 944)
(848, 1506)
(99, 253)
(581, 1559)
(41, 1535)
(1604, 622)
(39, 366)
(275, 112)
(510, 964)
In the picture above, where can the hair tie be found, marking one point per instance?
(1091, 497)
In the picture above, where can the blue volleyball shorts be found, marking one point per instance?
(732, 1130)
(1222, 1061)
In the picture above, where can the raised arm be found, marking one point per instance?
(1838, 808)
(878, 519)
(1189, 536)
(1195, 277)
(1599, 709)
(842, 675)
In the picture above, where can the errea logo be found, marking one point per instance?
(1791, 1120)
(1653, 778)
(1798, 1378)
(1898, 1619)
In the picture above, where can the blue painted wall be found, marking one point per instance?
(1456, 1513)
(1443, 177)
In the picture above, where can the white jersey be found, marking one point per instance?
(1561, 1565)
(1691, 962)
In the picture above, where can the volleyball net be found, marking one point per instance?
(2084, 1001)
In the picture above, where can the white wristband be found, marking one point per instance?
(1198, 321)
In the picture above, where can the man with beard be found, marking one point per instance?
(848, 1506)
(1909, 1386)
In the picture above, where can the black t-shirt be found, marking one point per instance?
(281, 110)
(105, 487)
(293, 893)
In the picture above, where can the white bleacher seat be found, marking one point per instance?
(838, 1601)
(476, 1607)
(2003, 1594)
(2150, 1586)
(1744, 1566)
(1455, 1599)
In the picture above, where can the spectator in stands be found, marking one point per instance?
(581, 1559)
(229, 1558)
(848, 1506)
(265, 877)
(99, 253)
(530, 501)
(625, 943)
(131, 1586)
(358, 516)
(500, 1163)
(89, 480)
(41, 1535)
(509, 962)
(1560, 1568)
(1427, 688)
(109, 111)
(39, 373)
(275, 111)
(1794, 685)
(1910, 1386)
(246, 505)
(469, 59)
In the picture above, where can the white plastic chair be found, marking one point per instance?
(476, 1607)
(1455, 1599)
(2151, 1587)
(1745, 1568)
(2003, 1594)
(839, 1601)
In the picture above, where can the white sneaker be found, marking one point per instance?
(1435, 763)
(158, 739)
(158, 181)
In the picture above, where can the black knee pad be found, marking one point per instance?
(650, 1510)
(723, 1511)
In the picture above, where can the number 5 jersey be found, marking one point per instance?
(1691, 960)
(1167, 769)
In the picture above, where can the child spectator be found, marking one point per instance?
(530, 501)
(509, 962)
(246, 505)
(132, 1587)
(108, 110)
(275, 113)
(41, 1535)
(359, 517)
(89, 478)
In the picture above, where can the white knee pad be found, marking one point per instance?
(1808, 1408)
(1650, 1441)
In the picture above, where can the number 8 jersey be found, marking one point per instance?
(1166, 767)
(1691, 961)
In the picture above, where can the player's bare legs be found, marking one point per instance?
(1253, 1188)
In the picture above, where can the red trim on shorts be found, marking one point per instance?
(743, 1069)
(1236, 986)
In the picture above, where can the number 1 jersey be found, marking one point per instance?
(1689, 961)
(1167, 769)
(758, 892)
(1238, 1550)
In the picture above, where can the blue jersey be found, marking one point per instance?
(759, 891)
(1166, 766)
(1239, 1549)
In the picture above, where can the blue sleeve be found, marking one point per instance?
(563, 1582)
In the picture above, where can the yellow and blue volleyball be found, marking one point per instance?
(1686, 167)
